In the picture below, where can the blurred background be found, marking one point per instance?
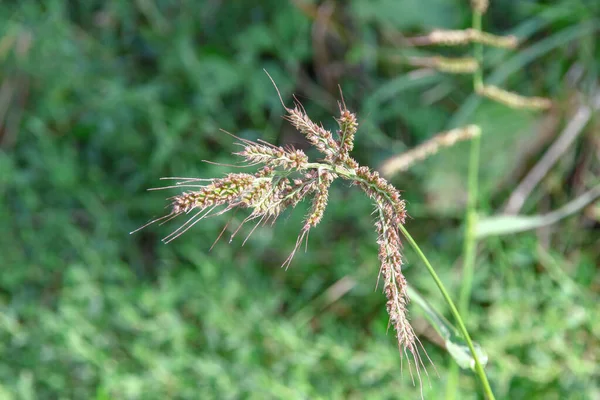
(98, 100)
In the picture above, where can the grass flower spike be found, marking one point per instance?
(286, 178)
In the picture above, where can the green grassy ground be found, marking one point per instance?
(99, 100)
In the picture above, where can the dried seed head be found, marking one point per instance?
(185, 202)
(315, 134)
(480, 6)
(512, 99)
(265, 171)
(319, 201)
(267, 198)
(382, 192)
(407, 159)
(286, 179)
(301, 188)
(258, 196)
(351, 163)
(395, 286)
(348, 127)
(464, 65)
(220, 191)
(317, 182)
(449, 37)
(392, 213)
(274, 156)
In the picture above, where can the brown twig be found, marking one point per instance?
(567, 137)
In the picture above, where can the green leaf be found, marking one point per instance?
(505, 224)
(455, 344)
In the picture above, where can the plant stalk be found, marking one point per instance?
(478, 52)
(470, 241)
(461, 325)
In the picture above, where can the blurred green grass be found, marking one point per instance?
(99, 100)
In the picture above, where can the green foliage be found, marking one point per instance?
(100, 99)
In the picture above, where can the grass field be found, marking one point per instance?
(98, 100)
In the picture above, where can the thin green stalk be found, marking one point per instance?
(469, 243)
(461, 326)
(470, 240)
(478, 52)
(469, 253)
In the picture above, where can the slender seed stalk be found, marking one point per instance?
(455, 313)
(478, 51)
(469, 243)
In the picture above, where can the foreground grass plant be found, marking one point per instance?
(285, 178)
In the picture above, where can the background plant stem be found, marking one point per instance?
(469, 243)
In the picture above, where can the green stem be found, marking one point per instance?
(469, 253)
(461, 326)
(470, 241)
(478, 52)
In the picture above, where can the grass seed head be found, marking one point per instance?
(480, 6)
(348, 127)
(274, 156)
(514, 100)
(287, 178)
(318, 136)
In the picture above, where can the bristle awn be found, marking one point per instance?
(306, 241)
(401, 361)
(248, 218)
(378, 277)
(175, 215)
(173, 237)
(419, 358)
(418, 370)
(417, 361)
(186, 178)
(273, 221)
(288, 261)
(188, 224)
(250, 164)
(267, 144)
(276, 89)
(226, 165)
(223, 230)
(223, 211)
(176, 186)
(220, 234)
(153, 221)
(253, 229)
(412, 378)
(298, 104)
(431, 362)
(173, 234)
(182, 232)
(246, 141)
(194, 180)
(342, 97)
